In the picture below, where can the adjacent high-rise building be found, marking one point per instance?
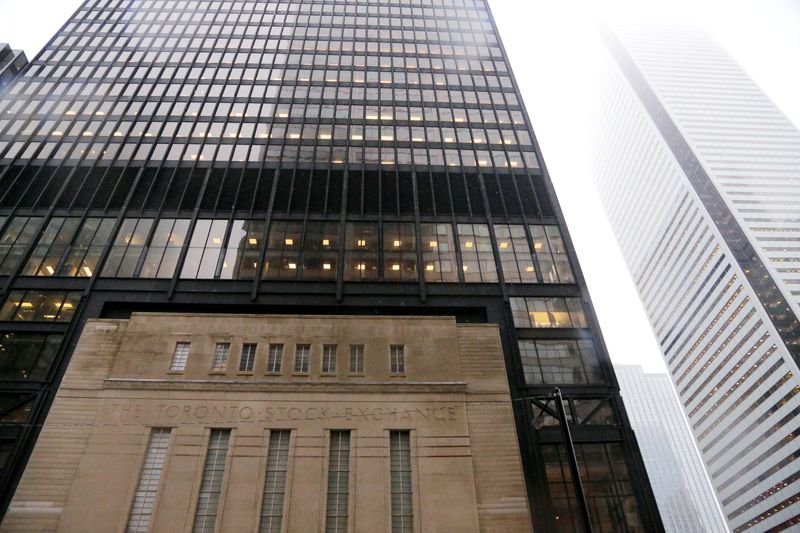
(11, 63)
(685, 498)
(699, 173)
(296, 262)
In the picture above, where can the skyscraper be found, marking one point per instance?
(683, 492)
(698, 173)
(194, 191)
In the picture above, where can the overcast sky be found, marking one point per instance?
(553, 46)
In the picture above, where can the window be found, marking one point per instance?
(606, 483)
(20, 233)
(275, 481)
(220, 361)
(128, 247)
(321, 250)
(515, 254)
(551, 254)
(338, 483)
(398, 358)
(275, 358)
(40, 306)
(149, 479)
(283, 250)
(52, 245)
(399, 252)
(248, 357)
(180, 356)
(438, 252)
(560, 362)
(243, 251)
(548, 313)
(205, 516)
(27, 356)
(361, 252)
(165, 248)
(329, 359)
(400, 470)
(477, 257)
(302, 353)
(356, 358)
(205, 249)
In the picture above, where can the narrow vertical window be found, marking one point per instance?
(400, 467)
(180, 356)
(145, 496)
(248, 357)
(329, 359)
(220, 361)
(302, 353)
(210, 487)
(338, 483)
(356, 358)
(398, 357)
(275, 358)
(275, 482)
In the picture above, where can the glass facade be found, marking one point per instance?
(274, 156)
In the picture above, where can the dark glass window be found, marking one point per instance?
(399, 252)
(283, 250)
(27, 356)
(548, 313)
(205, 249)
(438, 252)
(515, 254)
(361, 252)
(243, 250)
(19, 234)
(551, 254)
(560, 362)
(477, 257)
(40, 306)
(51, 247)
(128, 248)
(165, 248)
(320, 250)
(606, 482)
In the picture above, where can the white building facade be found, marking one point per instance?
(700, 176)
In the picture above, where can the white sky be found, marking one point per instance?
(552, 44)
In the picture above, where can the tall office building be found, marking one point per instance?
(11, 63)
(698, 171)
(685, 498)
(224, 225)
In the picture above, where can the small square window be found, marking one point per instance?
(179, 357)
(302, 354)
(329, 359)
(220, 361)
(356, 358)
(398, 358)
(248, 357)
(275, 359)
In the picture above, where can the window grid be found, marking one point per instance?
(180, 356)
(211, 485)
(248, 358)
(338, 483)
(40, 306)
(356, 358)
(275, 358)
(220, 361)
(401, 491)
(275, 481)
(302, 354)
(398, 358)
(329, 359)
(144, 499)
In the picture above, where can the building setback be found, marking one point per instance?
(698, 172)
(11, 63)
(292, 159)
(682, 489)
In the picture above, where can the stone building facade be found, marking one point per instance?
(213, 393)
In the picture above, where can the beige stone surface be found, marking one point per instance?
(453, 398)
